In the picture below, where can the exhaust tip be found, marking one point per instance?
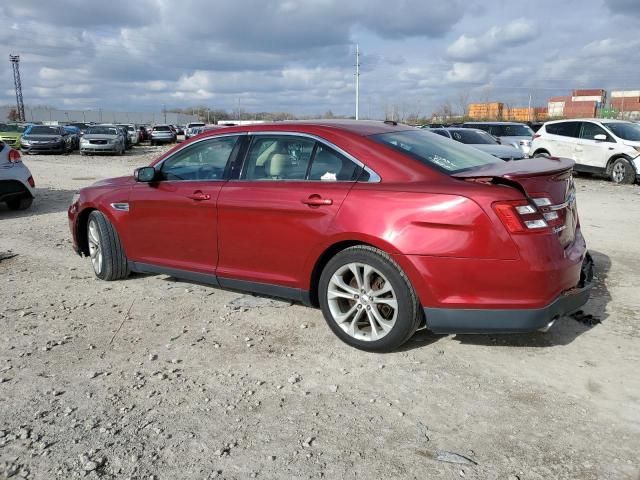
(546, 328)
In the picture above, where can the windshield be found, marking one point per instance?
(515, 130)
(433, 150)
(473, 137)
(38, 130)
(626, 131)
(5, 127)
(102, 131)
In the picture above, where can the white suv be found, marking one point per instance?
(604, 146)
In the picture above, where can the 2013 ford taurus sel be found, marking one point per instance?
(385, 227)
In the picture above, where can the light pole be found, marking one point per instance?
(357, 81)
(164, 111)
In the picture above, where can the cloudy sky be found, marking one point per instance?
(298, 56)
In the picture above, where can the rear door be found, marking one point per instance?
(172, 222)
(561, 138)
(288, 192)
(590, 152)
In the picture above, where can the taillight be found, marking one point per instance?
(31, 182)
(14, 156)
(536, 135)
(519, 216)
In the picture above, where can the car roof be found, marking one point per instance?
(601, 120)
(494, 123)
(356, 127)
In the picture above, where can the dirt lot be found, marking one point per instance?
(200, 383)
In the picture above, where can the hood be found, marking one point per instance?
(506, 152)
(628, 143)
(10, 134)
(99, 136)
(114, 182)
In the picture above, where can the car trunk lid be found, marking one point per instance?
(546, 183)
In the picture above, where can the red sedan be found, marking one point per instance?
(385, 227)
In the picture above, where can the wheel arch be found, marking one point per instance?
(615, 157)
(541, 150)
(335, 246)
(81, 230)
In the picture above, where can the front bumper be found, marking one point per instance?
(97, 148)
(454, 320)
(162, 139)
(44, 148)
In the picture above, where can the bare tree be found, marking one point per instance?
(463, 102)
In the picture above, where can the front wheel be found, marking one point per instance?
(622, 172)
(541, 154)
(105, 249)
(367, 300)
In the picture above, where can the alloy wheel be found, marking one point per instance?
(95, 247)
(362, 301)
(619, 171)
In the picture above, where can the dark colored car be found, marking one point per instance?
(74, 136)
(385, 227)
(46, 139)
(79, 125)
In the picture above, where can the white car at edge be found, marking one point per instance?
(17, 188)
(597, 145)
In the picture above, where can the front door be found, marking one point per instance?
(172, 221)
(289, 191)
(590, 152)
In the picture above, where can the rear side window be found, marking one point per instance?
(278, 157)
(442, 133)
(565, 129)
(330, 166)
(435, 151)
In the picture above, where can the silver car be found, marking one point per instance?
(102, 139)
(17, 188)
(516, 134)
(482, 141)
(162, 134)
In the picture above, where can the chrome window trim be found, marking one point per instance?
(373, 176)
(158, 166)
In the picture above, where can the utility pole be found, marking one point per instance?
(529, 111)
(15, 64)
(357, 81)
(164, 112)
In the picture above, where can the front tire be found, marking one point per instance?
(622, 172)
(367, 300)
(105, 249)
(541, 154)
(21, 203)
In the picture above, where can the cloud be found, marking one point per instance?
(494, 41)
(475, 73)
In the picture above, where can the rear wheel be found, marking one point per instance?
(105, 249)
(367, 300)
(622, 172)
(20, 203)
(541, 154)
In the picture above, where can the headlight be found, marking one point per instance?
(24, 141)
(75, 198)
(84, 141)
(637, 148)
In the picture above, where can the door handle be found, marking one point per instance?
(199, 196)
(317, 201)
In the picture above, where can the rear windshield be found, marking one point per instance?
(625, 131)
(37, 130)
(162, 128)
(511, 130)
(472, 137)
(102, 131)
(435, 151)
(195, 125)
(11, 128)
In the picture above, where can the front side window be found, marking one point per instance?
(625, 131)
(435, 151)
(278, 157)
(205, 160)
(589, 130)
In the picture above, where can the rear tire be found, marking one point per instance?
(541, 154)
(21, 203)
(622, 172)
(367, 300)
(105, 249)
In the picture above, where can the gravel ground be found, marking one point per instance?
(158, 379)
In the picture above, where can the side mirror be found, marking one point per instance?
(144, 174)
(601, 137)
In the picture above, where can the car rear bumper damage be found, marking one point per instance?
(458, 320)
